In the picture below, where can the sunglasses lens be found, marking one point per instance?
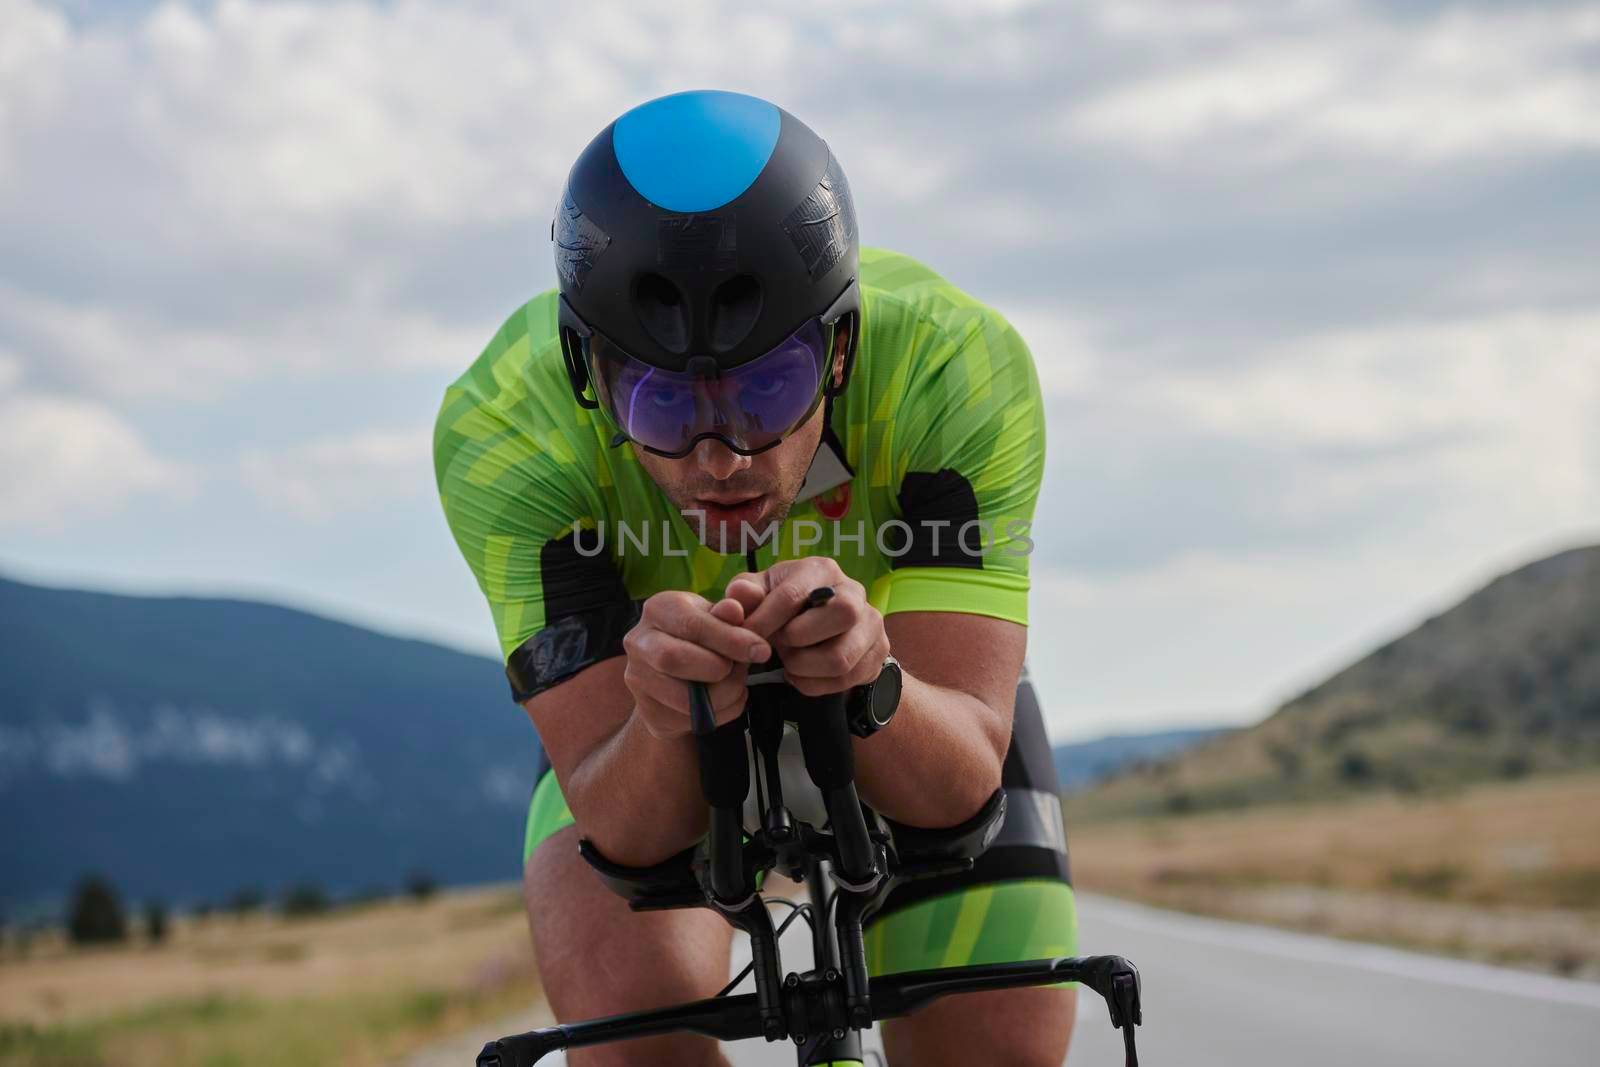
(750, 407)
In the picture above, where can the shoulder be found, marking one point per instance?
(910, 308)
(511, 411)
(517, 360)
(924, 336)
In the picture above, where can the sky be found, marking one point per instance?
(1311, 286)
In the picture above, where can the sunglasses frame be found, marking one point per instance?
(574, 330)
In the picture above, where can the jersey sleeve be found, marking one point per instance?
(522, 512)
(969, 443)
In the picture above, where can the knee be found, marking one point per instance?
(1036, 1034)
(682, 1050)
(1007, 1028)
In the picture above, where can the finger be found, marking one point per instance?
(667, 694)
(749, 590)
(685, 661)
(843, 613)
(728, 698)
(866, 670)
(697, 620)
(729, 640)
(787, 591)
(842, 658)
(786, 597)
(728, 610)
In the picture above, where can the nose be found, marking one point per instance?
(718, 460)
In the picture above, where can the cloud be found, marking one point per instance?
(1477, 429)
(66, 460)
(1457, 85)
(338, 475)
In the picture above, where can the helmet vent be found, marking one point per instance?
(735, 309)
(662, 312)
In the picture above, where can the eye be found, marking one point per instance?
(766, 386)
(667, 396)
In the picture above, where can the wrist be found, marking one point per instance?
(873, 706)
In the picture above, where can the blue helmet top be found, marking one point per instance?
(695, 151)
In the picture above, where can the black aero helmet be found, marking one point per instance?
(697, 234)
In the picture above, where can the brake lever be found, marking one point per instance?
(1117, 980)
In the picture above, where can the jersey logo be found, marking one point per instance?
(835, 502)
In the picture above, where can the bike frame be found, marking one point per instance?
(849, 867)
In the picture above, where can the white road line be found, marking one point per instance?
(1378, 959)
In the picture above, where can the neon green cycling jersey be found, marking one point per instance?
(941, 430)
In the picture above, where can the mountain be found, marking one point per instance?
(1504, 684)
(1084, 763)
(187, 748)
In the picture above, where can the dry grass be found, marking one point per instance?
(1506, 871)
(354, 987)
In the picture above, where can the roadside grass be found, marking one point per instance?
(353, 988)
(1507, 872)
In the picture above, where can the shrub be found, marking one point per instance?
(1355, 767)
(303, 900)
(246, 900)
(155, 922)
(96, 915)
(421, 885)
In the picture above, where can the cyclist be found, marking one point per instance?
(725, 404)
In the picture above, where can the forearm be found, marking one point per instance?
(937, 761)
(637, 796)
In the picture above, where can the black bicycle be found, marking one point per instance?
(849, 865)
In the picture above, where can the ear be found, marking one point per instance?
(844, 351)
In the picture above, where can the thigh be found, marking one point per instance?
(596, 957)
(1015, 904)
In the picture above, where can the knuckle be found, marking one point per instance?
(673, 661)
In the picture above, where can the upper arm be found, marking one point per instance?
(975, 654)
(521, 510)
(575, 717)
(969, 444)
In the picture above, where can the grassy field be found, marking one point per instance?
(1505, 872)
(356, 988)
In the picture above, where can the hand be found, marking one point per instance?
(828, 649)
(682, 638)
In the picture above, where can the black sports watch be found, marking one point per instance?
(874, 704)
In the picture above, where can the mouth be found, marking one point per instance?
(732, 510)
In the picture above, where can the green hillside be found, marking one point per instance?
(1505, 684)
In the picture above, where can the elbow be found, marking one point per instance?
(623, 835)
(979, 787)
(987, 767)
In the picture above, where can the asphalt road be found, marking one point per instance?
(1221, 994)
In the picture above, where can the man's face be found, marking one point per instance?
(717, 489)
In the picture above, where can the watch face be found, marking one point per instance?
(886, 694)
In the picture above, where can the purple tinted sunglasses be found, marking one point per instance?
(750, 408)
